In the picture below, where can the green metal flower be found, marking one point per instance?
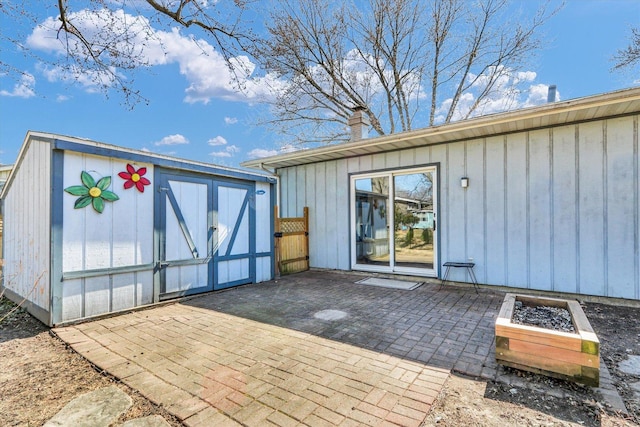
(92, 192)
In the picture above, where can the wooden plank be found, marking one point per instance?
(531, 333)
(554, 352)
(506, 311)
(537, 301)
(529, 360)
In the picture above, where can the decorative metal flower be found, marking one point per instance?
(134, 177)
(92, 193)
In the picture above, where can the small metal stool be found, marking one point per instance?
(467, 265)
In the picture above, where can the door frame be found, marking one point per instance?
(392, 268)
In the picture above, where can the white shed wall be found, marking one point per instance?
(264, 223)
(551, 209)
(120, 236)
(26, 226)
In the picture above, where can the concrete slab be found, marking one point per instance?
(631, 365)
(98, 408)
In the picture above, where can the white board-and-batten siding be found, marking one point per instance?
(120, 236)
(27, 222)
(264, 232)
(549, 209)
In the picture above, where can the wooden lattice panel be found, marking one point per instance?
(289, 225)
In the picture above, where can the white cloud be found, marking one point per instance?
(230, 120)
(218, 140)
(510, 91)
(176, 139)
(258, 153)
(62, 98)
(206, 71)
(290, 148)
(22, 89)
(227, 152)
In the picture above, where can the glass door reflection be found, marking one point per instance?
(372, 221)
(414, 220)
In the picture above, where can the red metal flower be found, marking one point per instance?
(134, 177)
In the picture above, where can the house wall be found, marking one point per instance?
(550, 209)
(119, 237)
(26, 233)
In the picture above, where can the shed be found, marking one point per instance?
(92, 228)
(543, 198)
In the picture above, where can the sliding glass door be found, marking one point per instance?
(394, 221)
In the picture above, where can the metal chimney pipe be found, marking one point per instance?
(551, 95)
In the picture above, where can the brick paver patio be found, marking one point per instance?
(258, 355)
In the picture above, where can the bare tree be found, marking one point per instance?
(105, 40)
(629, 56)
(406, 63)
(396, 59)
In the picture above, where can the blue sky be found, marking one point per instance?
(192, 115)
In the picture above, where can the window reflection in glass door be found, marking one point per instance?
(414, 220)
(372, 221)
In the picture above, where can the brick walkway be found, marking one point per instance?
(257, 355)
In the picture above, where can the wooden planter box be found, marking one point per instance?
(571, 356)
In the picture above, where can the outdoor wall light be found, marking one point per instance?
(464, 182)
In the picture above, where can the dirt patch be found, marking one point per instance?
(474, 403)
(40, 375)
(618, 330)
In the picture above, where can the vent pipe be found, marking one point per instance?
(551, 95)
(359, 124)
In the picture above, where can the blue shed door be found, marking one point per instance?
(186, 235)
(234, 215)
(206, 234)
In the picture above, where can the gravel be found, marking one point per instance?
(543, 316)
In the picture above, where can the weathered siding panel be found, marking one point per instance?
(620, 201)
(455, 218)
(517, 221)
(564, 210)
(475, 209)
(332, 240)
(494, 200)
(342, 211)
(27, 226)
(592, 209)
(539, 203)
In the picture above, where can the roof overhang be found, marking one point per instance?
(577, 110)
